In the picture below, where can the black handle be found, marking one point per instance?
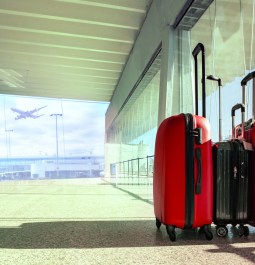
(214, 78)
(200, 48)
(198, 134)
(233, 110)
(199, 165)
(236, 107)
(247, 78)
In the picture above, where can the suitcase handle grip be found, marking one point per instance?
(233, 110)
(199, 165)
(247, 78)
(236, 107)
(200, 48)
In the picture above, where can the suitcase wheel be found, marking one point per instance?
(172, 236)
(243, 230)
(171, 233)
(246, 231)
(221, 231)
(208, 232)
(158, 223)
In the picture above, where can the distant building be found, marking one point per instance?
(48, 167)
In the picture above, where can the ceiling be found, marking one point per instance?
(72, 49)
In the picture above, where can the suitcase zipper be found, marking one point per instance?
(189, 209)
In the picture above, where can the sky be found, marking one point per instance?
(81, 129)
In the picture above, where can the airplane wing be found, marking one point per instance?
(21, 116)
(35, 116)
(36, 109)
(27, 114)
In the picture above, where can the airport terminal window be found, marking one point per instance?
(41, 139)
(227, 31)
(132, 134)
(179, 92)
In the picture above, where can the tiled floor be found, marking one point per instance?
(87, 222)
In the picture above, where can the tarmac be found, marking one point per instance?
(87, 221)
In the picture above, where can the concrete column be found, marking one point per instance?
(176, 82)
(186, 74)
(167, 71)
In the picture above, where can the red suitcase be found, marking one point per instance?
(249, 135)
(182, 179)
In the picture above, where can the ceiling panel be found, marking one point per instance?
(66, 48)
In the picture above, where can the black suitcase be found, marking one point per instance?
(232, 175)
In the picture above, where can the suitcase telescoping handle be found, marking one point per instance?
(244, 82)
(214, 78)
(236, 107)
(247, 78)
(200, 49)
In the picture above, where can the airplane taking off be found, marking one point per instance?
(27, 114)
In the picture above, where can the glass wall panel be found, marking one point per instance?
(130, 139)
(227, 31)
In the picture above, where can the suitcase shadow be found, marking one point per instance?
(82, 234)
(103, 234)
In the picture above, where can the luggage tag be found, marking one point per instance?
(247, 146)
